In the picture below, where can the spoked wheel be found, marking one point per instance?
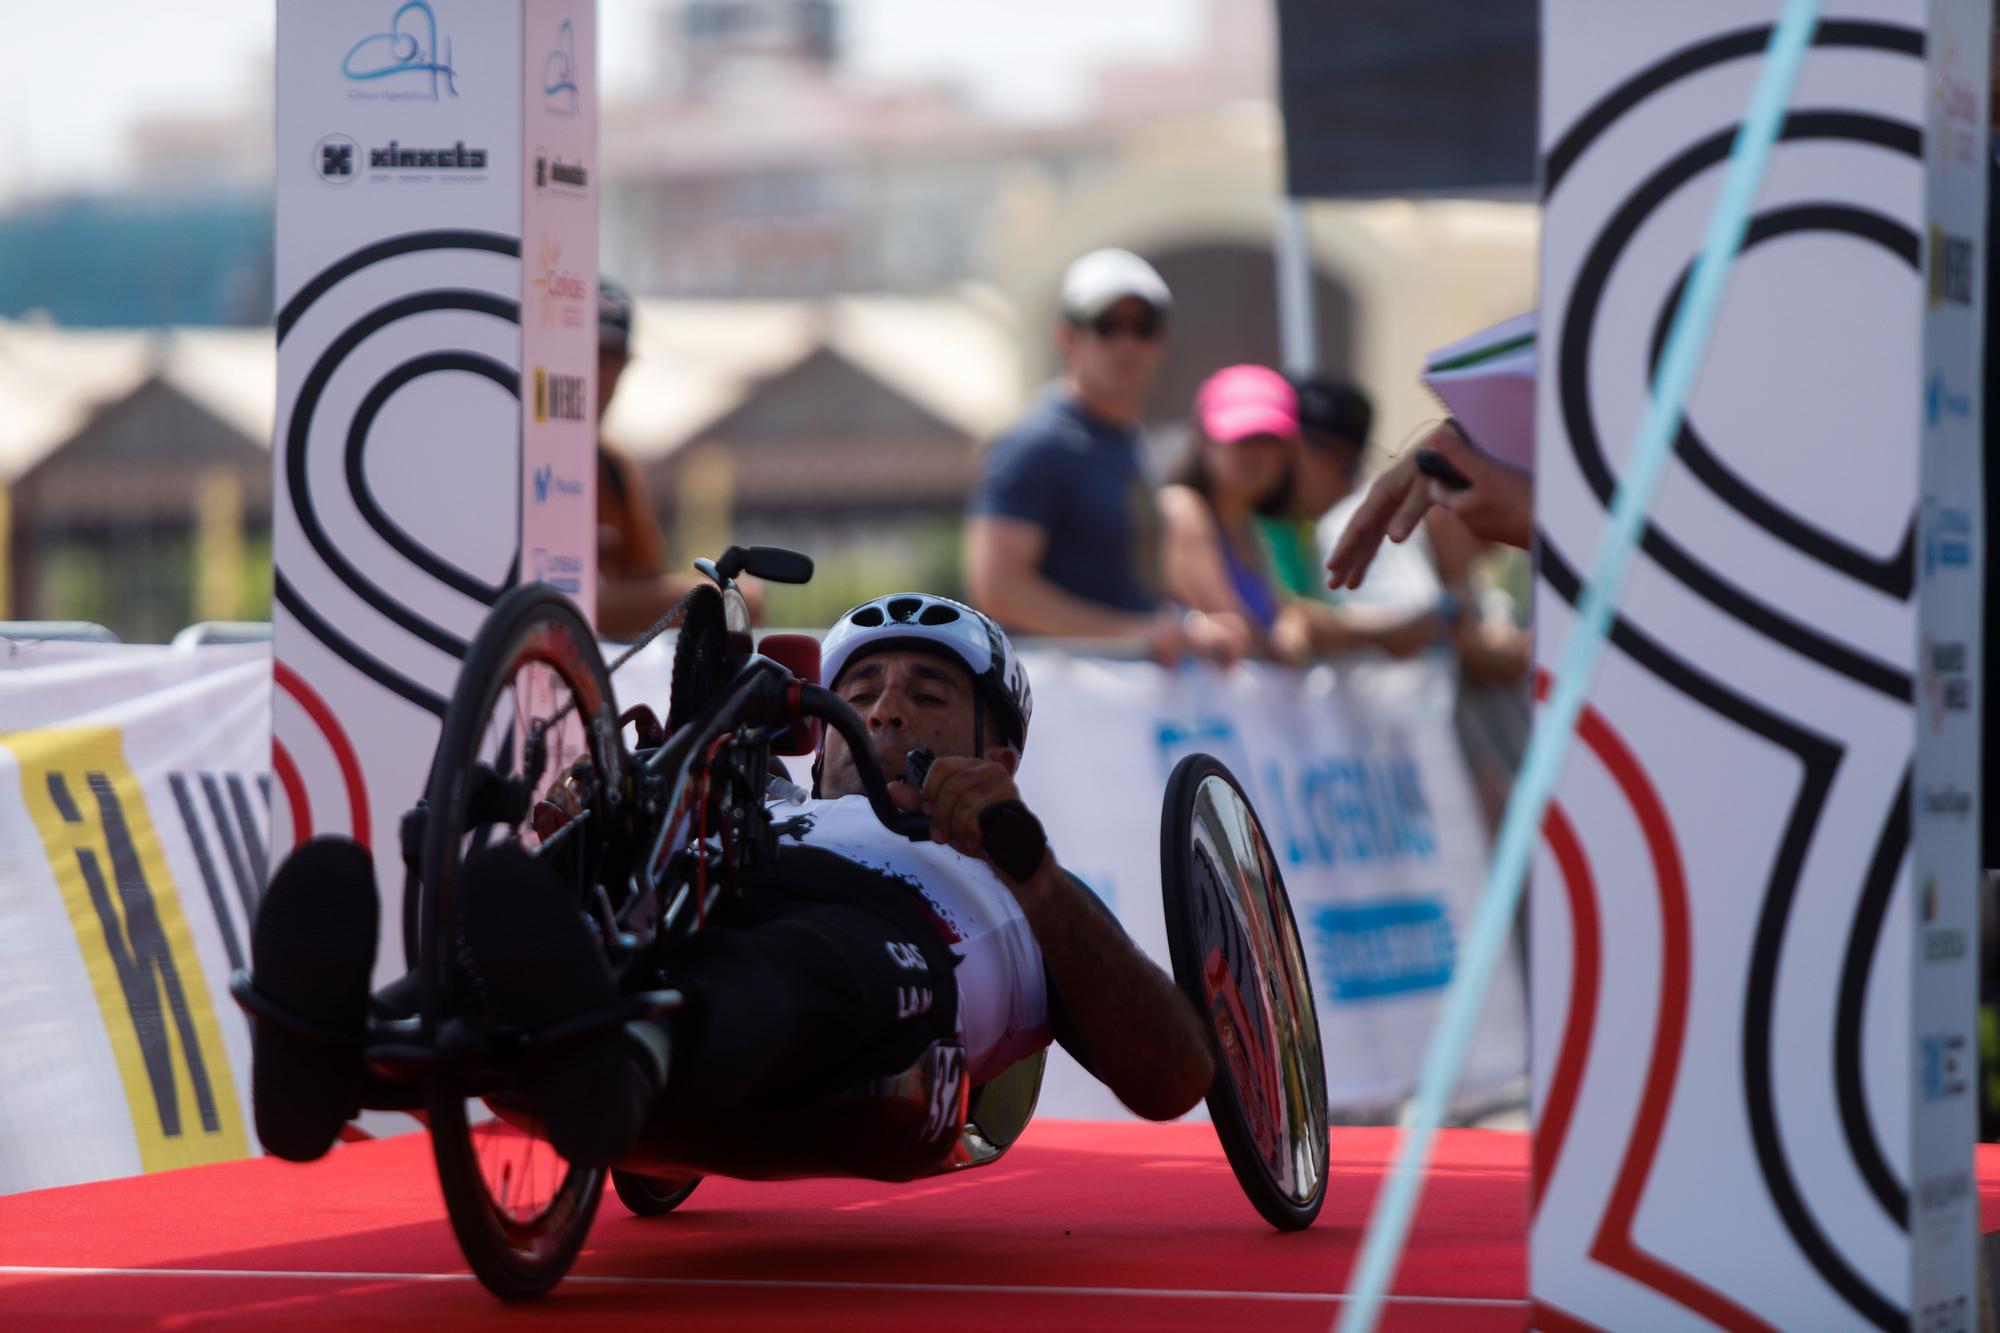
(650, 1196)
(1236, 953)
(533, 700)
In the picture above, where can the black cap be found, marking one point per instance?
(1334, 407)
(614, 316)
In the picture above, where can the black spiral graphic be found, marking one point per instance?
(1891, 575)
(298, 435)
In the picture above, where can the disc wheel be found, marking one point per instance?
(1236, 954)
(533, 700)
(650, 1196)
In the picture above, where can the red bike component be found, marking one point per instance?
(798, 654)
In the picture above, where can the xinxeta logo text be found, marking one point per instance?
(1941, 401)
(402, 64)
(559, 73)
(1951, 268)
(1367, 951)
(337, 159)
(395, 157)
(548, 484)
(557, 396)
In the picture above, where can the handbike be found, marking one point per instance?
(648, 837)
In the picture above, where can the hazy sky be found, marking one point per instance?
(82, 70)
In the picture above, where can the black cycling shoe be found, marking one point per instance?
(538, 964)
(311, 950)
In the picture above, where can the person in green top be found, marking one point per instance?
(1334, 420)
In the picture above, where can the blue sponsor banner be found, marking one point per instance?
(1365, 951)
(1333, 810)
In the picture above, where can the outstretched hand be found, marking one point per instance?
(1498, 506)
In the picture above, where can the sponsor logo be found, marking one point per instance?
(564, 177)
(1942, 401)
(1955, 108)
(557, 397)
(1946, 687)
(1942, 1073)
(1942, 944)
(1951, 268)
(111, 872)
(566, 297)
(1950, 1315)
(1952, 802)
(395, 157)
(565, 572)
(404, 63)
(548, 485)
(559, 92)
(334, 159)
(1390, 947)
(1947, 536)
(1944, 1189)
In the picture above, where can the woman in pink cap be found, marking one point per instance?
(1239, 465)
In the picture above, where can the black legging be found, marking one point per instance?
(821, 974)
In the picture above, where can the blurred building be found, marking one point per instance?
(850, 286)
(135, 476)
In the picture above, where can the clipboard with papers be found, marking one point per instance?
(1487, 381)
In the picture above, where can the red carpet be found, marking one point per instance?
(1083, 1225)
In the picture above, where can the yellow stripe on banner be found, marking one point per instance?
(136, 945)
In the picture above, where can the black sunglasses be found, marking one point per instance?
(1144, 327)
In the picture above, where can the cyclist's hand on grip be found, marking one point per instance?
(975, 808)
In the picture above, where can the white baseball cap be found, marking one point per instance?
(1102, 278)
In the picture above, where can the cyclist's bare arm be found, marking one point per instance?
(1141, 1036)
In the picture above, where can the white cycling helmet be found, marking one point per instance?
(919, 621)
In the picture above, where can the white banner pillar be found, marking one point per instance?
(1752, 921)
(437, 315)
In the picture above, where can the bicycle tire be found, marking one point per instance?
(651, 1196)
(514, 1258)
(1237, 957)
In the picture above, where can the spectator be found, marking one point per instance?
(1334, 421)
(1062, 534)
(635, 583)
(1239, 466)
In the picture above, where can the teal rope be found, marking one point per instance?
(1548, 746)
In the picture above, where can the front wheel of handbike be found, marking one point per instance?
(533, 699)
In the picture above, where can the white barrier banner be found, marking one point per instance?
(134, 830)
(135, 821)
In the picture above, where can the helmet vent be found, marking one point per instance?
(867, 615)
(903, 610)
(937, 613)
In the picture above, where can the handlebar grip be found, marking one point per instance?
(1013, 839)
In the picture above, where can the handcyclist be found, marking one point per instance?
(843, 960)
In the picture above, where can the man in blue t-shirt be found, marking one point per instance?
(1062, 533)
